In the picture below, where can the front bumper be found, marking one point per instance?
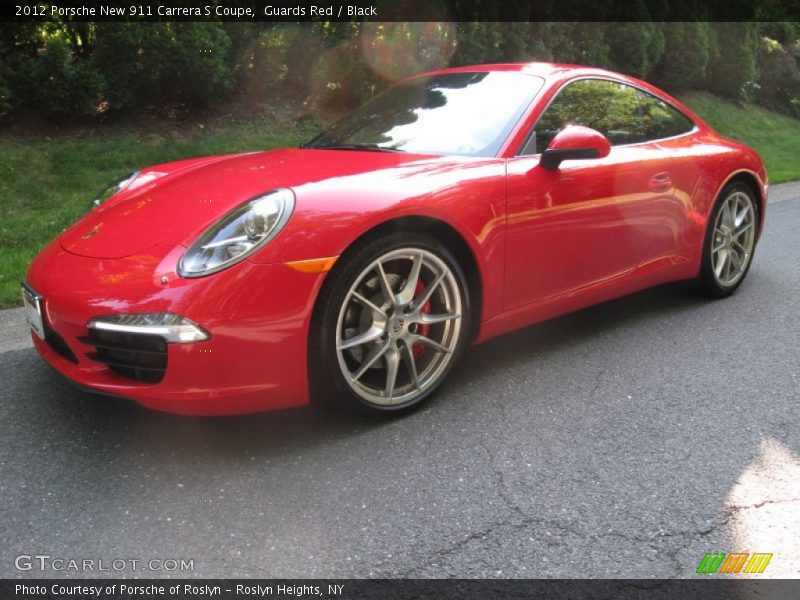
(257, 316)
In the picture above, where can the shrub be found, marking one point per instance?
(516, 44)
(781, 31)
(733, 62)
(198, 70)
(340, 80)
(592, 47)
(117, 56)
(147, 64)
(684, 63)
(5, 87)
(778, 78)
(476, 42)
(635, 48)
(57, 83)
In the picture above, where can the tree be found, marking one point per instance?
(684, 63)
(733, 62)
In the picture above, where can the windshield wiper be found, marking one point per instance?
(368, 147)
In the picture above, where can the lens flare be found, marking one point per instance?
(398, 50)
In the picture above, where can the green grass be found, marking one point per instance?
(47, 183)
(775, 137)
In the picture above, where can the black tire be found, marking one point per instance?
(326, 376)
(708, 282)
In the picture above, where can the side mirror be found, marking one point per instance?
(574, 142)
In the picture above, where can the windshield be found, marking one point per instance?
(469, 114)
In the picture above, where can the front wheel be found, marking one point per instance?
(389, 325)
(729, 242)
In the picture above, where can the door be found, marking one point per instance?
(592, 220)
(685, 220)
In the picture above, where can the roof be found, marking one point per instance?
(543, 69)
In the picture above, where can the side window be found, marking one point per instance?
(609, 107)
(660, 120)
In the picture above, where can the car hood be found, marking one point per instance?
(172, 204)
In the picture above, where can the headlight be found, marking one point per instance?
(113, 188)
(238, 234)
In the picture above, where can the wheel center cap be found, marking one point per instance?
(397, 326)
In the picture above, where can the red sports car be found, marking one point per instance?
(453, 207)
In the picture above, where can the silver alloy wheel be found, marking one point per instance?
(733, 238)
(399, 326)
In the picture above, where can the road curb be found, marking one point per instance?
(783, 191)
(14, 332)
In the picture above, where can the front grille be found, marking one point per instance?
(59, 346)
(139, 356)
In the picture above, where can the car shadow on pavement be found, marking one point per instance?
(571, 330)
(313, 425)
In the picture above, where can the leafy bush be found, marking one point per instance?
(147, 64)
(733, 63)
(117, 56)
(583, 43)
(517, 44)
(778, 77)
(476, 41)
(781, 31)
(684, 63)
(198, 70)
(5, 88)
(67, 68)
(57, 83)
(591, 45)
(635, 48)
(339, 80)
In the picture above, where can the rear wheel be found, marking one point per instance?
(389, 325)
(730, 241)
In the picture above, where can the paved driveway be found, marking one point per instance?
(625, 440)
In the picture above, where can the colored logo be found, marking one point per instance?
(735, 562)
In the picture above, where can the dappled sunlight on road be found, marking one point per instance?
(764, 509)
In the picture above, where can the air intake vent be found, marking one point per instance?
(139, 356)
(57, 343)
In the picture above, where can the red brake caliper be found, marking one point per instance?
(422, 328)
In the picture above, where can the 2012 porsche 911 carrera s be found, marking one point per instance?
(453, 207)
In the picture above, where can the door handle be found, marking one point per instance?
(660, 182)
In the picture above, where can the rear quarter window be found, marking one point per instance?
(660, 120)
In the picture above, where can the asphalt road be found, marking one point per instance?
(625, 440)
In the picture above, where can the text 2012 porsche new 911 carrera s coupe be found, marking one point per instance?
(454, 206)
